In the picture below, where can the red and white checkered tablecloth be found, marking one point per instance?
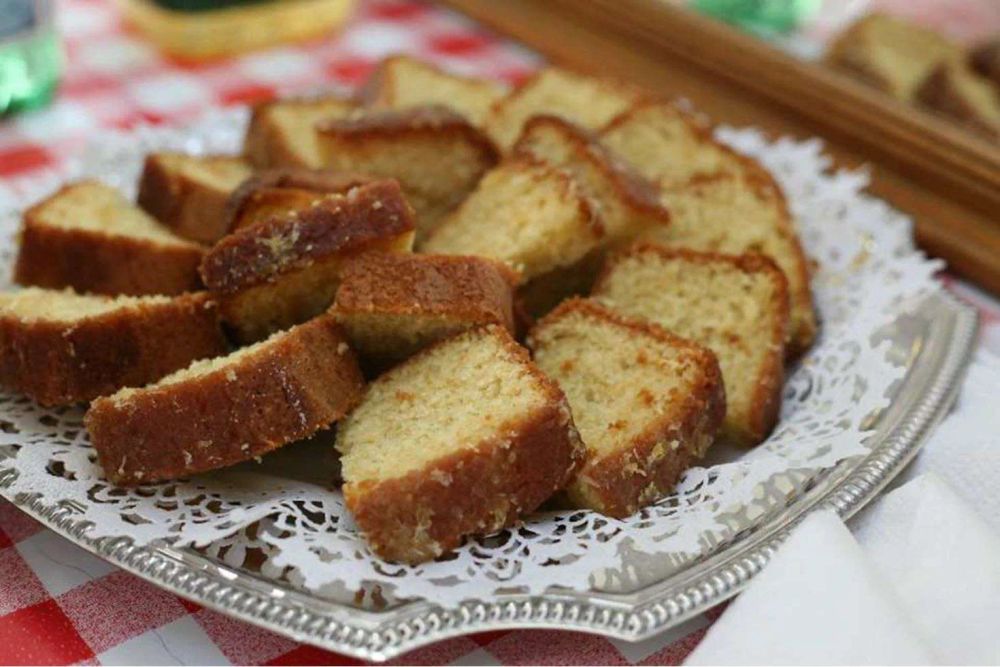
(59, 604)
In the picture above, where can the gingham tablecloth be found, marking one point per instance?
(59, 604)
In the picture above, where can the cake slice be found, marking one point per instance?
(464, 438)
(285, 270)
(647, 403)
(735, 306)
(392, 304)
(436, 155)
(628, 202)
(218, 412)
(739, 213)
(586, 101)
(957, 92)
(89, 237)
(58, 347)
(890, 53)
(282, 133)
(188, 193)
(719, 200)
(667, 145)
(528, 215)
(401, 82)
(279, 191)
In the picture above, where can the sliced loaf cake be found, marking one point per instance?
(735, 306)
(436, 155)
(188, 193)
(464, 438)
(284, 270)
(218, 412)
(401, 82)
(647, 403)
(526, 214)
(59, 347)
(957, 92)
(391, 305)
(584, 100)
(275, 192)
(282, 133)
(89, 237)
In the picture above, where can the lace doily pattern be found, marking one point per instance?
(282, 520)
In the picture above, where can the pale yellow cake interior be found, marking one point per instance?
(296, 121)
(37, 304)
(453, 398)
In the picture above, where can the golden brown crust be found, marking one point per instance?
(985, 59)
(338, 223)
(419, 517)
(274, 188)
(99, 263)
(940, 93)
(58, 363)
(432, 120)
(638, 193)
(766, 402)
(474, 289)
(649, 468)
(191, 207)
(297, 383)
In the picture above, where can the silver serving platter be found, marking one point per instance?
(934, 342)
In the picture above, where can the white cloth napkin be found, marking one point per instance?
(819, 601)
(919, 585)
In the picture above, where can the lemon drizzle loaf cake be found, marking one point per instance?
(401, 82)
(531, 216)
(954, 90)
(720, 200)
(284, 270)
(188, 193)
(277, 191)
(218, 412)
(628, 202)
(584, 100)
(89, 237)
(436, 155)
(393, 304)
(647, 403)
(890, 53)
(735, 306)
(59, 347)
(463, 438)
(282, 133)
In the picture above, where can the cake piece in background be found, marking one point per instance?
(392, 305)
(89, 237)
(891, 54)
(188, 193)
(60, 348)
(533, 217)
(628, 202)
(282, 133)
(275, 192)
(464, 438)
(985, 60)
(285, 270)
(218, 412)
(719, 200)
(436, 155)
(402, 82)
(957, 92)
(646, 402)
(587, 101)
(735, 306)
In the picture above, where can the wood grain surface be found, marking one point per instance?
(946, 178)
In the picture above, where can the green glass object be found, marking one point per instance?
(30, 55)
(762, 17)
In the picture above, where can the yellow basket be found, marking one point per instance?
(223, 32)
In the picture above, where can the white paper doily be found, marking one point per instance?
(283, 523)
